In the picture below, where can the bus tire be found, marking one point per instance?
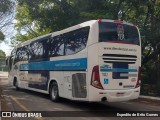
(54, 94)
(16, 85)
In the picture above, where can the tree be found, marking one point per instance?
(2, 61)
(1, 36)
(2, 54)
(6, 8)
(148, 19)
(43, 16)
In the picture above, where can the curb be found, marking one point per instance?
(149, 97)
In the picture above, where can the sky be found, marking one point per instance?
(6, 48)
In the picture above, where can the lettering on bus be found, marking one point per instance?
(119, 48)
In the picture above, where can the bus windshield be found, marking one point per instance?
(117, 32)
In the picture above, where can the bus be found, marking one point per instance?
(98, 60)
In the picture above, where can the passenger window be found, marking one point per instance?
(76, 40)
(36, 50)
(12, 59)
(56, 46)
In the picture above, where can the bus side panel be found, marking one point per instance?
(70, 74)
(58, 77)
(23, 76)
(92, 61)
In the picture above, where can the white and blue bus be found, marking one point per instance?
(98, 60)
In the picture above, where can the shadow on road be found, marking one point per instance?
(82, 105)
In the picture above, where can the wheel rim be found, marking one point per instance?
(54, 92)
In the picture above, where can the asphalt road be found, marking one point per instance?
(29, 101)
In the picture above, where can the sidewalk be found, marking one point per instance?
(148, 100)
(150, 97)
(3, 75)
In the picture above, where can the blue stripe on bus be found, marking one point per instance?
(69, 64)
(118, 70)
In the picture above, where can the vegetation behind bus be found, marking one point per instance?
(41, 17)
(6, 10)
(3, 66)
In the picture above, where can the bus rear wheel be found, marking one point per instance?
(54, 94)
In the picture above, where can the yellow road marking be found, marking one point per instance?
(24, 107)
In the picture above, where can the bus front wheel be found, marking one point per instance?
(16, 85)
(54, 94)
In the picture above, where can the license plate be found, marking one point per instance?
(119, 94)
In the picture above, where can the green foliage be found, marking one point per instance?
(2, 54)
(6, 8)
(43, 16)
(2, 61)
(1, 36)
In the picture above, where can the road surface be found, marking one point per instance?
(29, 101)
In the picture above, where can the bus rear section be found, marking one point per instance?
(115, 62)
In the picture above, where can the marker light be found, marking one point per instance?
(99, 20)
(118, 21)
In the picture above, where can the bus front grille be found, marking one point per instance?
(118, 58)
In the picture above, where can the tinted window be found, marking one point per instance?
(64, 44)
(21, 54)
(13, 53)
(76, 40)
(11, 58)
(68, 43)
(18, 55)
(112, 32)
(56, 46)
(36, 50)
